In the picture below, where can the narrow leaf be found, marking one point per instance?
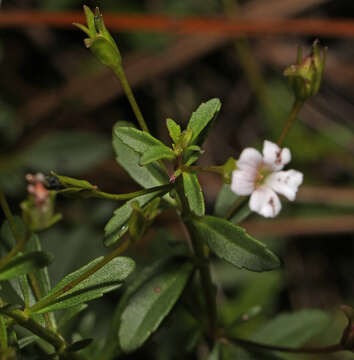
(202, 118)
(138, 140)
(24, 263)
(233, 244)
(117, 226)
(155, 153)
(108, 278)
(147, 176)
(193, 193)
(150, 305)
(173, 129)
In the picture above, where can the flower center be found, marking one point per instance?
(262, 172)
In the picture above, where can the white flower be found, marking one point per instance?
(261, 177)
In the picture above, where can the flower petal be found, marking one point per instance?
(265, 202)
(243, 182)
(274, 156)
(285, 182)
(249, 159)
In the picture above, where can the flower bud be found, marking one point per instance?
(347, 340)
(305, 77)
(100, 41)
(38, 209)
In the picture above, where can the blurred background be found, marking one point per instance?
(58, 106)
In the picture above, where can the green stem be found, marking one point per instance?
(322, 350)
(214, 169)
(9, 216)
(294, 111)
(205, 277)
(3, 334)
(129, 94)
(132, 195)
(234, 207)
(204, 269)
(47, 334)
(73, 283)
(15, 250)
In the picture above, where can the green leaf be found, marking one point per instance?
(155, 153)
(201, 120)
(173, 129)
(151, 304)
(24, 263)
(233, 244)
(293, 330)
(193, 193)
(147, 176)
(138, 140)
(117, 226)
(108, 278)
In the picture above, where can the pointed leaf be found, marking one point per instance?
(193, 193)
(147, 176)
(233, 244)
(173, 129)
(24, 263)
(150, 305)
(201, 120)
(138, 140)
(108, 278)
(117, 226)
(155, 153)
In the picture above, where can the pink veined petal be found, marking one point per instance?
(265, 202)
(274, 156)
(249, 159)
(285, 182)
(242, 182)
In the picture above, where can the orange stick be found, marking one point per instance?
(183, 25)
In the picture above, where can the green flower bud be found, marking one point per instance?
(100, 41)
(227, 170)
(306, 76)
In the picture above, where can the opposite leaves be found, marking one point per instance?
(233, 244)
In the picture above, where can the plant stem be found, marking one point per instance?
(9, 216)
(214, 169)
(294, 111)
(3, 333)
(322, 350)
(205, 277)
(234, 207)
(46, 301)
(204, 269)
(47, 334)
(14, 251)
(129, 94)
(132, 195)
